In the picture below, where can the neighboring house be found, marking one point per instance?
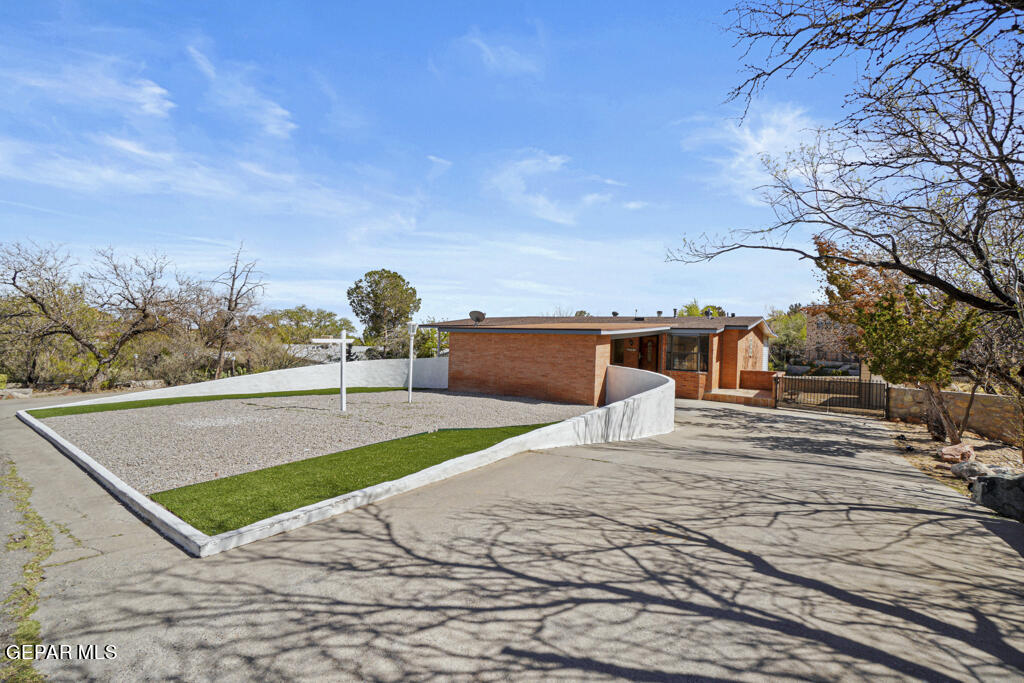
(326, 353)
(826, 340)
(565, 358)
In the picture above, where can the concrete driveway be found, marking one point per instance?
(749, 544)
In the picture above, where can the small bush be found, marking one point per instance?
(3, 381)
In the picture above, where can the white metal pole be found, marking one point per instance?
(341, 379)
(412, 352)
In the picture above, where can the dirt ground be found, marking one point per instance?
(925, 455)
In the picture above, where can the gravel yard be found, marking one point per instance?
(164, 447)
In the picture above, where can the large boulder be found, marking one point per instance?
(970, 469)
(958, 453)
(1005, 495)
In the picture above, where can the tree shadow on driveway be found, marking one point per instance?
(627, 572)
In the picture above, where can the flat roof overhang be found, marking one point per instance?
(597, 330)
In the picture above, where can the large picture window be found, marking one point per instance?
(688, 353)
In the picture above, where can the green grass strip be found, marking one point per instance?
(43, 413)
(229, 503)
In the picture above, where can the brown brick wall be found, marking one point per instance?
(689, 384)
(554, 367)
(714, 361)
(758, 379)
(730, 377)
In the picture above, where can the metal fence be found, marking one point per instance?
(832, 393)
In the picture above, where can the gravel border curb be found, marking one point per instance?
(182, 534)
(648, 412)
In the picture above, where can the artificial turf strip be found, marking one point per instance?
(43, 413)
(221, 505)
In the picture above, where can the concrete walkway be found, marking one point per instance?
(749, 544)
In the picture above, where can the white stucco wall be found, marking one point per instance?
(428, 373)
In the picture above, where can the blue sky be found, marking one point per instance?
(508, 157)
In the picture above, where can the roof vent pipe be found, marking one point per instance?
(675, 312)
(659, 314)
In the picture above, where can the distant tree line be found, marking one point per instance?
(117, 319)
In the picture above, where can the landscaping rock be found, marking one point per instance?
(1003, 494)
(15, 393)
(958, 453)
(970, 470)
(147, 384)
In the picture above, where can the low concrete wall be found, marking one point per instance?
(994, 417)
(428, 373)
(644, 405)
(758, 379)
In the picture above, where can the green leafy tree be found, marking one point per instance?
(384, 302)
(909, 339)
(581, 314)
(790, 328)
(695, 309)
(300, 324)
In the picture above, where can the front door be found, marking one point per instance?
(649, 353)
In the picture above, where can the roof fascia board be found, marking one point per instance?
(645, 332)
(693, 331)
(519, 330)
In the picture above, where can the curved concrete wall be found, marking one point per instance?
(643, 405)
(428, 373)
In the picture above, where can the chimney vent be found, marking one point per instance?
(659, 314)
(675, 312)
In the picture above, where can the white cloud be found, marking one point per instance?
(116, 166)
(101, 80)
(135, 148)
(341, 118)
(608, 181)
(532, 183)
(596, 198)
(635, 205)
(501, 58)
(438, 166)
(230, 90)
(511, 182)
(740, 147)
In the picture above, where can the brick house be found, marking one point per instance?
(565, 359)
(826, 339)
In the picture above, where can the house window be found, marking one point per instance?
(688, 353)
(618, 351)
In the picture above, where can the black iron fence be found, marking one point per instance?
(832, 393)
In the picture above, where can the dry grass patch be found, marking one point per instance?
(925, 454)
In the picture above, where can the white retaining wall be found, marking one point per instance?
(642, 404)
(428, 373)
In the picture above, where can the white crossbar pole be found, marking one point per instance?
(341, 379)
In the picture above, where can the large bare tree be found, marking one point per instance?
(101, 309)
(237, 290)
(923, 176)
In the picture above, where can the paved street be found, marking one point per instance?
(749, 543)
